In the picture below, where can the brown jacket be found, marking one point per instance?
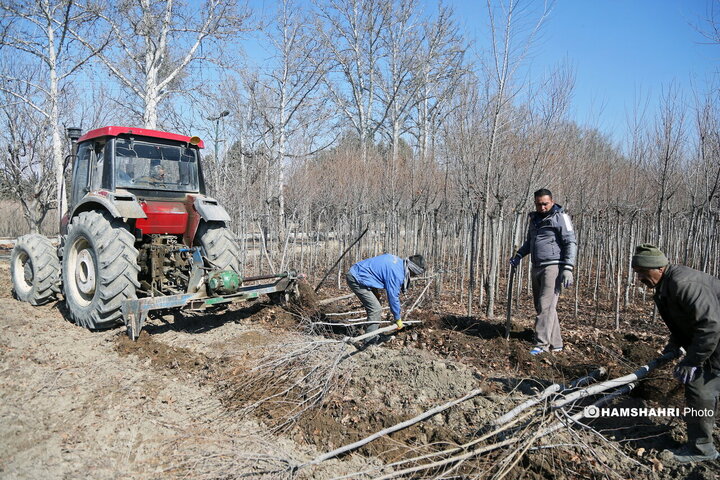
(689, 302)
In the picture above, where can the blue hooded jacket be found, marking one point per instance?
(384, 271)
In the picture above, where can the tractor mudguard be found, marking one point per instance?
(210, 210)
(118, 205)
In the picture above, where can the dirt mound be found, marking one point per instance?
(383, 387)
(481, 343)
(659, 387)
(506, 364)
(159, 355)
(307, 295)
(306, 302)
(368, 390)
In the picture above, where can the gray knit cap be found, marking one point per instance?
(649, 256)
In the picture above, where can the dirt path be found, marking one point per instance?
(176, 403)
(77, 404)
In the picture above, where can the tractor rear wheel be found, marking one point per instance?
(35, 269)
(220, 246)
(100, 269)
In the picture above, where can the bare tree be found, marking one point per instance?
(710, 26)
(705, 180)
(510, 45)
(396, 91)
(36, 35)
(26, 164)
(668, 140)
(439, 70)
(156, 42)
(463, 146)
(287, 98)
(351, 34)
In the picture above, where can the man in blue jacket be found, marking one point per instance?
(552, 247)
(388, 272)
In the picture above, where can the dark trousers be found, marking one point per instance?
(369, 301)
(701, 395)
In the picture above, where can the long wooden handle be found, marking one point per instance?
(341, 257)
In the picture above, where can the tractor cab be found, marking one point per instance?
(149, 165)
(152, 179)
(143, 162)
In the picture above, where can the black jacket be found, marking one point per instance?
(689, 302)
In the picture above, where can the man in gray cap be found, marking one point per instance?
(388, 272)
(688, 301)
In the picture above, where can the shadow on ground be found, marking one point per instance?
(200, 321)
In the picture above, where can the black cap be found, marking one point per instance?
(417, 261)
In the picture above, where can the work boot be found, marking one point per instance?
(378, 340)
(689, 454)
(371, 342)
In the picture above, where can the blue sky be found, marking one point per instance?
(622, 52)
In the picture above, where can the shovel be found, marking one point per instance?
(508, 319)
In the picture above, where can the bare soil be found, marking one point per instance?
(189, 398)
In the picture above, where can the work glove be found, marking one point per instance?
(399, 324)
(686, 373)
(671, 348)
(566, 278)
(515, 261)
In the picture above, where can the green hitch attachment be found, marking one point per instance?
(225, 282)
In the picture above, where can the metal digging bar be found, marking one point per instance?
(135, 311)
(508, 318)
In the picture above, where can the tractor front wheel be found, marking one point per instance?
(35, 269)
(100, 269)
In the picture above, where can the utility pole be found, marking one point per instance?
(216, 119)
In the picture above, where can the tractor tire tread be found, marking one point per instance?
(117, 278)
(46, 265)
(220, 245)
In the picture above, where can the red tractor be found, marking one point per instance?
(140, 235)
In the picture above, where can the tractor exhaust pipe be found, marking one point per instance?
(73, 133)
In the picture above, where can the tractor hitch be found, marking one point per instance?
(135, 311)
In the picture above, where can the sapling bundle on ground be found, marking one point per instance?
(295, 377)
(246, 454)
(542, 424)
(288, 382)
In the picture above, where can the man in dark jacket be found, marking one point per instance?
(689, 303)
(552, 247)
(388, 272)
